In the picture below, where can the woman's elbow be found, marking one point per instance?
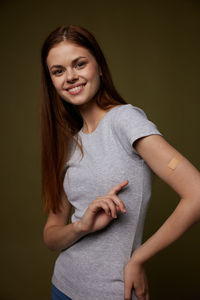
(48, 241)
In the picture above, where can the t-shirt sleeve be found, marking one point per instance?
(131, 123)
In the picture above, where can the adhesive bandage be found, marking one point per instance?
(172, 164)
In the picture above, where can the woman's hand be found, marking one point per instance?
(135, 278)
(102, 210)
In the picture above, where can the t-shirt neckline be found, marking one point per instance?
(100, 122)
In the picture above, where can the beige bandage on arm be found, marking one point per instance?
(172, 164)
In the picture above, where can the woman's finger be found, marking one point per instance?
(118, 202)
(111, 205)
(144, 293)
(118, 187)
(100, 204)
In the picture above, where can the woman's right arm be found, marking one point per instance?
(59, 235)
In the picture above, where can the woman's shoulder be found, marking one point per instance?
(127, 111)
(131, 118)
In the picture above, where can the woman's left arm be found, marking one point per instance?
(174, 169)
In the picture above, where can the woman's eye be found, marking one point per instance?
(57, 72)
(80, 64)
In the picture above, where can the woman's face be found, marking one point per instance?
(74, 72)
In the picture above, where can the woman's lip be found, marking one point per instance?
(78, 91)
(75, 86)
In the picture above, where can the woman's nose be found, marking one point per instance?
(71, 75)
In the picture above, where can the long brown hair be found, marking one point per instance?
(59, 119)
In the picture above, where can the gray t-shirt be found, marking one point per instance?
(92, 268)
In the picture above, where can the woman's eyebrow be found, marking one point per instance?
(73, 61)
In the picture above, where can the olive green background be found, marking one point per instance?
(152, 48)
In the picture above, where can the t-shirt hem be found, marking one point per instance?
(68, 292)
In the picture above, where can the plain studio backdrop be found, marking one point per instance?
(152, 48)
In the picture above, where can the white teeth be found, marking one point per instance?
(77, 88)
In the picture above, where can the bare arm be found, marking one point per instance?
(59, 235)
(184, 180)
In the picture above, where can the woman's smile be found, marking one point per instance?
(76, 90)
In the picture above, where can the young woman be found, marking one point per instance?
(98, 154)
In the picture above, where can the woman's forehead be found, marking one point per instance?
(67, 50)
